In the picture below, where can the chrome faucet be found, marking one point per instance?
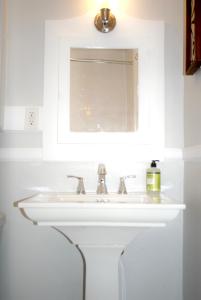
(80, 187)
(122, 185)
(102, 188)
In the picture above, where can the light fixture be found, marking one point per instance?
(105, 21)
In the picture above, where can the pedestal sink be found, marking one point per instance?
(100, 226)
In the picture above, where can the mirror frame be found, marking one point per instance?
(145, 35)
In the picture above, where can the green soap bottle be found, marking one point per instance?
(153, 178)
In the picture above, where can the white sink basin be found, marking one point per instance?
(67, 209)
(100, 227)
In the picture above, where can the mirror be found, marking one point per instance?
(103, 90)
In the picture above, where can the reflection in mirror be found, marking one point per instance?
(103, 90)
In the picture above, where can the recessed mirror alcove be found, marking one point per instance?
(103, 90)
(99, 124)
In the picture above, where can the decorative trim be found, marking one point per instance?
(173, 153)
(106, 224)
(192, 153)
(20, 154)
(36, 154)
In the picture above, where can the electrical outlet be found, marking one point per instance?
(31, 118)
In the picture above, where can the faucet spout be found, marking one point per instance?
(101, 169)
(101, 188)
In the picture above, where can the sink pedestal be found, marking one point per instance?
(101, 249)
(102, 275)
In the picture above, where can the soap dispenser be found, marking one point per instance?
(153, 178)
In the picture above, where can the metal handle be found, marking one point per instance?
(122, 185)
(80, 187)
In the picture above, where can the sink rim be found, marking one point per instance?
(72, 200)
(41, 211)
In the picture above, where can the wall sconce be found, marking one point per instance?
(105, 21)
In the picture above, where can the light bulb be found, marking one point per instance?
(115, 6)
(111, 4)
(105, 4)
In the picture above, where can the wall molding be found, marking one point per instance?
(192, 153)
(21, 154)
(173, 153)
(36, 154)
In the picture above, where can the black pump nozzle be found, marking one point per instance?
(153, 163)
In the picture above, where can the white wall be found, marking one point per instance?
(192, 229)
(39, 263)
(192, 188)
(2, 56)
(192, 104)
